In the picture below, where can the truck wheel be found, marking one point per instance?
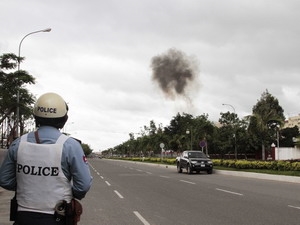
(179, 169)
(209, 171)
(189, 169)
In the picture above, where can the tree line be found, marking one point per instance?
(231, 137)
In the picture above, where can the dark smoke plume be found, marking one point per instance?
(173, 71)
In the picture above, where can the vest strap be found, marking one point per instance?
(37, 139)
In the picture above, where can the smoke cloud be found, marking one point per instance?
(174, 73)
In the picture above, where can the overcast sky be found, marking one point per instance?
(98, 57)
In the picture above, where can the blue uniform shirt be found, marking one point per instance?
(73, 162)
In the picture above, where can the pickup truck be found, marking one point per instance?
(194, 160)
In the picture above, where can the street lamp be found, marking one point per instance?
(18, 91)
(278, 127)
(277, 137)
(188, 132)
(235, 151)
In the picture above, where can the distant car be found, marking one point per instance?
(194, 161)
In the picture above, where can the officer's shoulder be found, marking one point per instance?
(79, 141)
(75, 140)
(72, 139)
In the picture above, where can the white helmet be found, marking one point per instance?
(50, 105)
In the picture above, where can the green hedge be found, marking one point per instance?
(269, 165)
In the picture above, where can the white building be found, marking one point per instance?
(292, 121)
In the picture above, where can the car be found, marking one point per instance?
(193, 160)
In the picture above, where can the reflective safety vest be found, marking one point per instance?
(41, 183)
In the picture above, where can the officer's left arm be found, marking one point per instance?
(8, 168)
(79, 169)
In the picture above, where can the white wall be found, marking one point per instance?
(287, 153)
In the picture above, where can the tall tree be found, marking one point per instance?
(11, 83)
(227, 133)
(265, 114)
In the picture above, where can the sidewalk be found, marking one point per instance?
(5, 197)
(291, 179)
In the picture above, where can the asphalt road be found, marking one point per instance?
(127, 193)
(141, 194)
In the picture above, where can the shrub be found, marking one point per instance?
(217, 162)
(295, 166)
(241, 164)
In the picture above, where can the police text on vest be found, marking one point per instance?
(37, 170)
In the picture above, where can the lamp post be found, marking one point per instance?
(278, 127)
(235, 151)
(277, 137)
(18, 91)
(188, 132)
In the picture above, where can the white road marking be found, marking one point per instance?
(187, 182)
(145, 222)
(101, 177)
(230, 192)
(148, 172)
(108, 184)
(295, 207)
(120, 196)
(164, 176)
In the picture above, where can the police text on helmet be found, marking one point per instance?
(46, 110)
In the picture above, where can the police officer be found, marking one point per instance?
(45, 167)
